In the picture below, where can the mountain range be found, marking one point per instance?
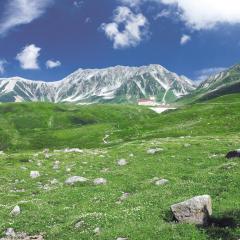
(119, 84)
(114, 84)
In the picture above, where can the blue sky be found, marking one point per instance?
(49, 39)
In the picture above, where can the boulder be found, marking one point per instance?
(76, 179)
(196, 210)
(233, 154)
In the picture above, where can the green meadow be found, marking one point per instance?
(193, 141)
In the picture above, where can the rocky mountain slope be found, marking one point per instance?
(114, 84)
(220, 84)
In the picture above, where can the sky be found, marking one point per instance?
(49, 39)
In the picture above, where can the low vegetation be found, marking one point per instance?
(190, 143)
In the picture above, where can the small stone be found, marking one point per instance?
(186, 145)
(153, 151)
(123, 198)
(100, 181)
(45, 151)
(10, 232)
(196, 210)
(160, 182)
(121, 238)
(39, 164)
(34, 174)
(56, 165)
(97, 231)
(16, 211)
(104, 170)
(122, 162)
(79, 224)
(76, 179)
(54, 181)
(73, 150)
(23, 168)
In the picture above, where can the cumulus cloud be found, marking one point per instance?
(53, 64)
(127, 29)
(3, 62)
(19, 12)
(185, 39)
(206, 14)
(28, 57)
(203, 74)
(198, 14)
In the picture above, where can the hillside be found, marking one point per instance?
(217, 85)
(191, 144)
(114, 84)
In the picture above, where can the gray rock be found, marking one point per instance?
(123, 198)
(160, 182)
(79, 224)
(76, 179)
(100, 181)
(56, 165)
(97, 231)
(10, 232)
(122, 162)
(196, 210)
(16, 211)
(73, 150)
(34, 174)
(121, 238)
(153, 151)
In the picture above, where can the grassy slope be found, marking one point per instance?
(197, 168)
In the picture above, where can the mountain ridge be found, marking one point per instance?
(114, 84)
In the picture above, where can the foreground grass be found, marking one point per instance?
(53, 209)
(194, 140)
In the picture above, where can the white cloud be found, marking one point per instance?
(18, 12)
(163, 14)
(185, 39)
(203, 74)
(3, 62)
(127, 29)
(78, 3)
(53, 64)
(131, 3)
(28, 58)
(206, 14)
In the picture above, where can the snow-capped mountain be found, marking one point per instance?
(114, 84)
